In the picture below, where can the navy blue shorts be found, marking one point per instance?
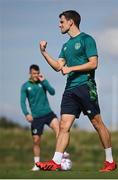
(38, 123)
(79, 99)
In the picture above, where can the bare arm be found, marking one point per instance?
(92, 64)
(55, 64)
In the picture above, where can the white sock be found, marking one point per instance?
(36, 159)
(57, 157)
(108, 153)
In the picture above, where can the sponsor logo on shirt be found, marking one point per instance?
(65, 48)
(29, 88)
(77, 46)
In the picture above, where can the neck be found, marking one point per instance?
(74, 31)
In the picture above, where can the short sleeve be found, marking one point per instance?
(90, 47)
(62, 54)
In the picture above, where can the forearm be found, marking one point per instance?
(81, 68)
(53, 63)
(48, 87)
(84, 67)
(23, 101)
(24, 109)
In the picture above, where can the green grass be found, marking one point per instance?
(23, 172)
(87, 155)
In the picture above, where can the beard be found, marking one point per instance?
(64, 32)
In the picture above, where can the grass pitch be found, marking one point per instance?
(86, 152)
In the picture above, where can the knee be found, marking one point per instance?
(64, 127)
(36, 140)
(97, 123)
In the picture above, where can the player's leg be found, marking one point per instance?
(64, 133)
(36, 150)
(52, 121)
(62, 142)
(63, 137)
(69, 110)
(54, 125)
(105, 138)
(91, 109)
(36, 145)
(36, 130)
(102, 131)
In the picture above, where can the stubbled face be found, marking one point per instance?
(64, 25)
(34, 75)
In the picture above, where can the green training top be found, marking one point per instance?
(35, 92)
(76, 51)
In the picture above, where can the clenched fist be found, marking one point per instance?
(43, 45)
(65, 70)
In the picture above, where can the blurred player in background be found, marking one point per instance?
(35, 91)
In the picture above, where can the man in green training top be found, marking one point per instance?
(78, 59)
(35, 90)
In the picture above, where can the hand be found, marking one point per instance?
(43, 45)
(41, 77)
(65, 70)
(29, 118)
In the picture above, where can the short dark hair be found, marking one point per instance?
(71, 14)
(35, 67)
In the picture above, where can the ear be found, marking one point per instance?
(71, 22)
